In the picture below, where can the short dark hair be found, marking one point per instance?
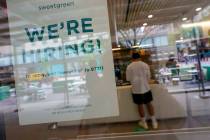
(136, 55)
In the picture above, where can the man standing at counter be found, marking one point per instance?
(138, 74)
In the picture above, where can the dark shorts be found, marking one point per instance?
(142, 98)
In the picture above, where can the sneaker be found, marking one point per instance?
(143, 124)
(155, 125)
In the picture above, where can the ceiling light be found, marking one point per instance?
(184, 19)
(145, 24)
(150, 16)
(190, 25)
(198, 9)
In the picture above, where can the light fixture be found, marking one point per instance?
(184, 19)
(198, 9)
(150, 16)
(190, 25)
(145, 24)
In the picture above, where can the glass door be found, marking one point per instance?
(171, 36)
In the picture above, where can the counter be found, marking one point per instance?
(167, 106)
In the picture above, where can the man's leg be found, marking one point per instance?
(141, 110)
(138, 100)
(150, 109)
(151, 112)
(143, 122)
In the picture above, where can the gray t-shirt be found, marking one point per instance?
(138, 73)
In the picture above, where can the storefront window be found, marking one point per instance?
(160, 41)
(65, 69)
(147, 43)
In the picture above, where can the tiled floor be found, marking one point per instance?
(205, 135)
(173, 129)
(41, 132)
